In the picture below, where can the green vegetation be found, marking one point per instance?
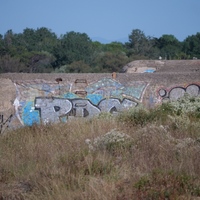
(42, 51)
(139, 154)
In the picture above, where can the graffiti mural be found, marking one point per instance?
(51, 109)
(112, 88)
(41, 101)
(4, 123)
(59, 109)
(177, 92)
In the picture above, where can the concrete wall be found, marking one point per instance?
(26, 99)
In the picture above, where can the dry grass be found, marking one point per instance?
(54, 162)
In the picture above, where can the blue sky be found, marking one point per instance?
(112, 20)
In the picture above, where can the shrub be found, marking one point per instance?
(137, 116)
(186, 104)
(166, 185)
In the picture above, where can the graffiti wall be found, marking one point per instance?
(41, 101)
(46, 102)
(176, 92)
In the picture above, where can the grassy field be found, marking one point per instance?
(145, 155)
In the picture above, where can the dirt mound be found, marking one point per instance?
(163, 66)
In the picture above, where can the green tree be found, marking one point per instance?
(169, 46)
(37, 62)
(46, 39)
(8, 38)
(3, 50)
(191, 45)
(73, 46)
(10, 64)
(41, 39)
(114, 47)
(139, 44)
(75, 67)
(29, 39)
(110, 62)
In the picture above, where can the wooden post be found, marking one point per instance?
(114, 75)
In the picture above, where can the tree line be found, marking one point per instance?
(42, 51)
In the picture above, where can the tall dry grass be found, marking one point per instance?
(53, 162)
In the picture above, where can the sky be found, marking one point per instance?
(108, 20)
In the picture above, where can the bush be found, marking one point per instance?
(186, 104)
(140, 116)
(166, 185)
(137, 116)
